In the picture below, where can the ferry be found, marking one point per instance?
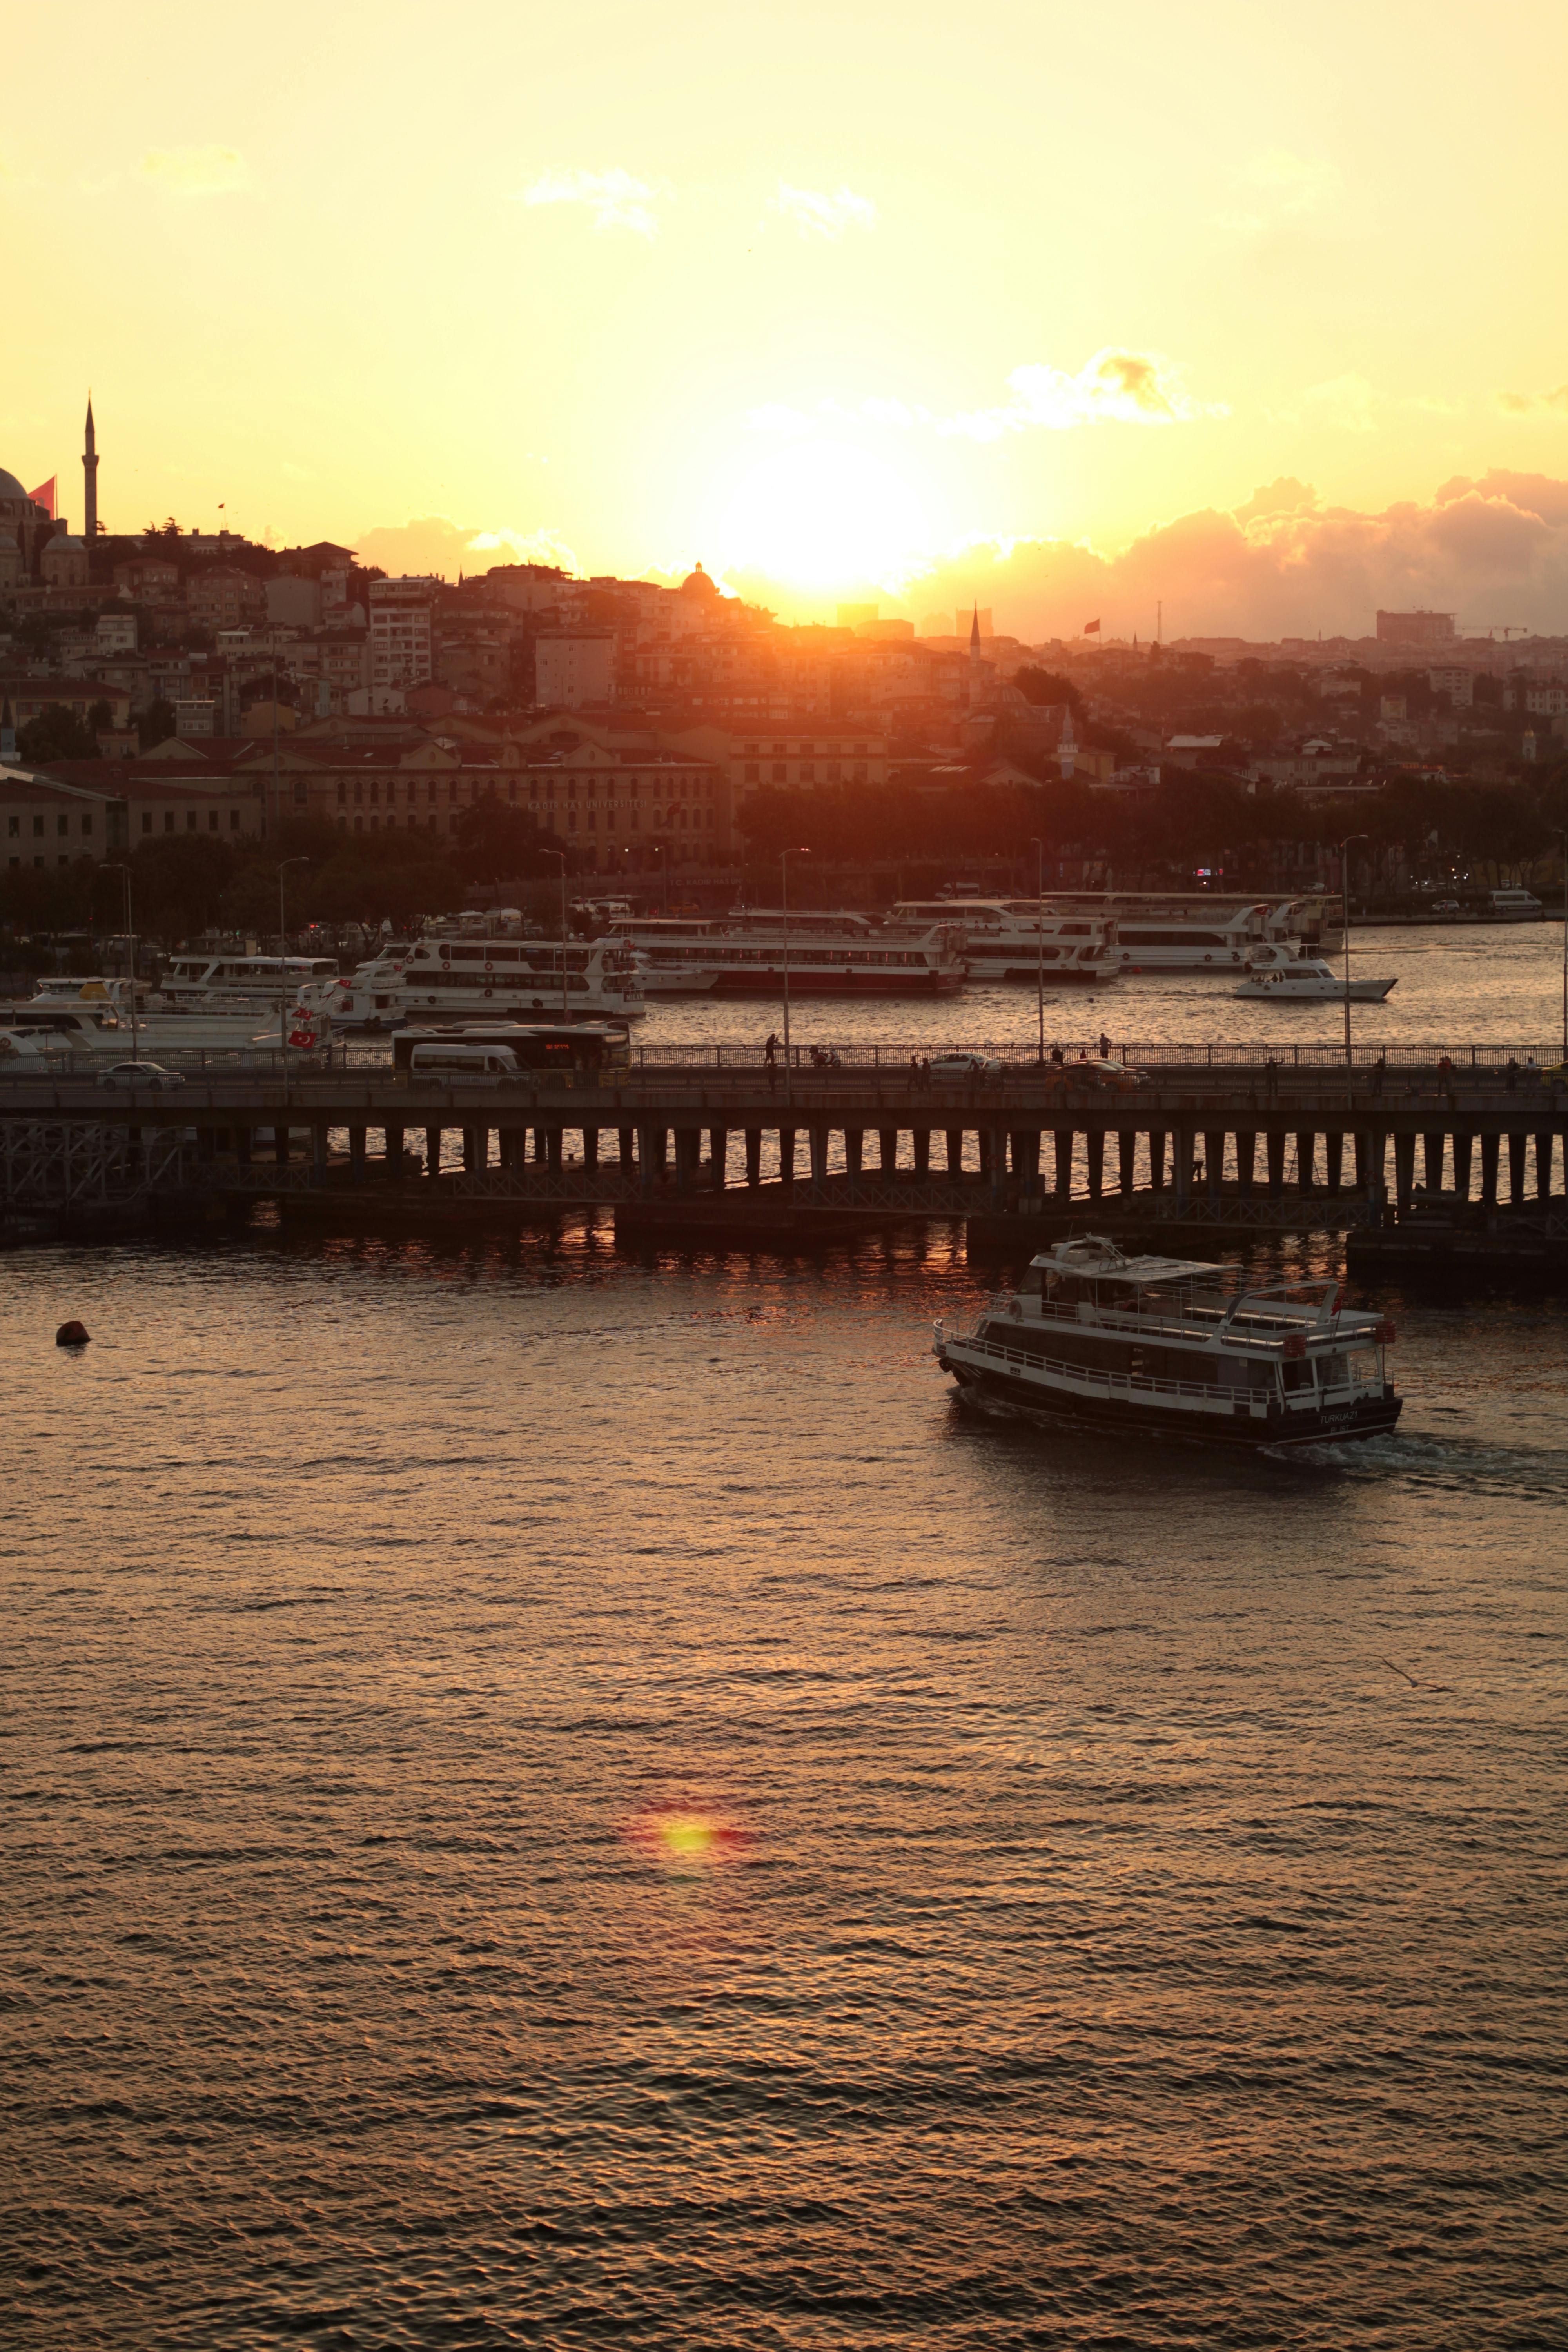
(1161, 1347)
(1199, 932)
(830, 954)
(1023, 940)
(96, 1014)
(451, 970)
(239, 984)
(1309, 980)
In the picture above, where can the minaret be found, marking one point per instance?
(974, 659)
(89, 468)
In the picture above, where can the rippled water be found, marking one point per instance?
(556, 1798)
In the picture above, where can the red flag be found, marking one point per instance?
(44, 496)
(1091, 629)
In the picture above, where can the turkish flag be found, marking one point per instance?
(44, 496)
(1091, 629)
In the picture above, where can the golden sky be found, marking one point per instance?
(823, 294)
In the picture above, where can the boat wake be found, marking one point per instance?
(1438, 1465)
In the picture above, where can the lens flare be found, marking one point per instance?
(687, 1837)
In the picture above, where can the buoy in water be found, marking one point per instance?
(72, 1335)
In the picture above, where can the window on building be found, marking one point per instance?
(12, 827)
(212, 821)
(753, 773)
(781, 774)
(234, 820)
(146, 820)
(86, 828)
(38, 828)
(809, 771)
(38, 861)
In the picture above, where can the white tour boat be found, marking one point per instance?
(451, 970)
(1198, 931)
(830, 954)
(1162, 1347)
(1023, 940)
(96, 1015)
(1309, 980)
(241, 983)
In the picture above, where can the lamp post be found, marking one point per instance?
(560, 857)
(1345, 918)
(125, 874)
(1564, 840)
(784, 857)
(283, 968)
(1039, 847)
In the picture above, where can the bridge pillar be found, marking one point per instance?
(1432, 1162)
(1544, 1166)
(1062, 1148)
(1246, 1158)
(786, 1156)
(1462, 1164)
(1334, 1161)
(589, 1147)
(1024, 1144)
(432, 1151)
(1126, 1151)
(985, 1141)
(753, 1156)
(999, 1155)
(1182, 1168)
(646, 1168)
(474, 1141)
(818, 1136)
(1094, 1153)
(688, 1144)
(1156, 1159)
(1403, 1168)
(854, 1152)
(627, 1145)
(1306, 1163)
(356, 1153)
(888, 1150)
(554, 1139)
(1488, 1170)
(1370, 1149)
(1214, 1161)
(392, 1160)
(320, 1134)
(1274, 1152)
(955, 1151)
(718, 1157)
(1516, 1146)
(919, 1141)
(280, 1146)
(242, 1142)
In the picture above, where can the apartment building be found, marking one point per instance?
(401, 635)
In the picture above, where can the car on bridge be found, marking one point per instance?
(965, 1065)
(1115, 1076)
(151, 1075)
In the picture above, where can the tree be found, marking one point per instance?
(496, 843)
(1045, 685)
(57, 733)
(155, 724)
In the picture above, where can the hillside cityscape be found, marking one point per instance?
(192, 698)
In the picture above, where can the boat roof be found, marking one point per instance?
(1101, 1260)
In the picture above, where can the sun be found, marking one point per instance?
(824, 515)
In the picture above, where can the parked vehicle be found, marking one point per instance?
(449, 1060)
(963, 1066)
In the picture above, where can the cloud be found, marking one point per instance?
(1492, 549)
(615, 198)
(815, 214)
(197, 171)
(1524, 403)
(1113, 387)
(436, 543)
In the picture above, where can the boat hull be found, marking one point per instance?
(1144, 1417)
(1285, 992)
(987, 970)
(769, 982)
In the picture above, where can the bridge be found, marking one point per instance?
(1254, 1137)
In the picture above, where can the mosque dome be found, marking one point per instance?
(697, 583)
(11, 490)
(64, 540)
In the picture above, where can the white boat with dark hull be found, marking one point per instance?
(1208, 935)
(242, 985)
(451, 972)
(96, 1015)
(1156, 1347)
(1309, 980)
(829, 954)
(1016, 941)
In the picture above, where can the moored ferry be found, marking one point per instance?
(240, 983)
(1023, 940)
(1169, 1348)
(829, 954)
(1198, 931)
(451, 971)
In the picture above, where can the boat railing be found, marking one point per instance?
(1105, 1382)
(1175, 1320)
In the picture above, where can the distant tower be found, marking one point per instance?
(975, 678)
(89, 468)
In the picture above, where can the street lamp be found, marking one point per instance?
(1345, 917)
(560, 857)
(784, 857)
(1039, 847)
(1564, 839)
(125, 874)
(283, 968)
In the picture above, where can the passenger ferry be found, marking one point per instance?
(830, 954)
(96, 1014)
(1023, 940)
(1198, 933)
(450, 971)
(238, 983)
(1168, 1348)
(1309, 980)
